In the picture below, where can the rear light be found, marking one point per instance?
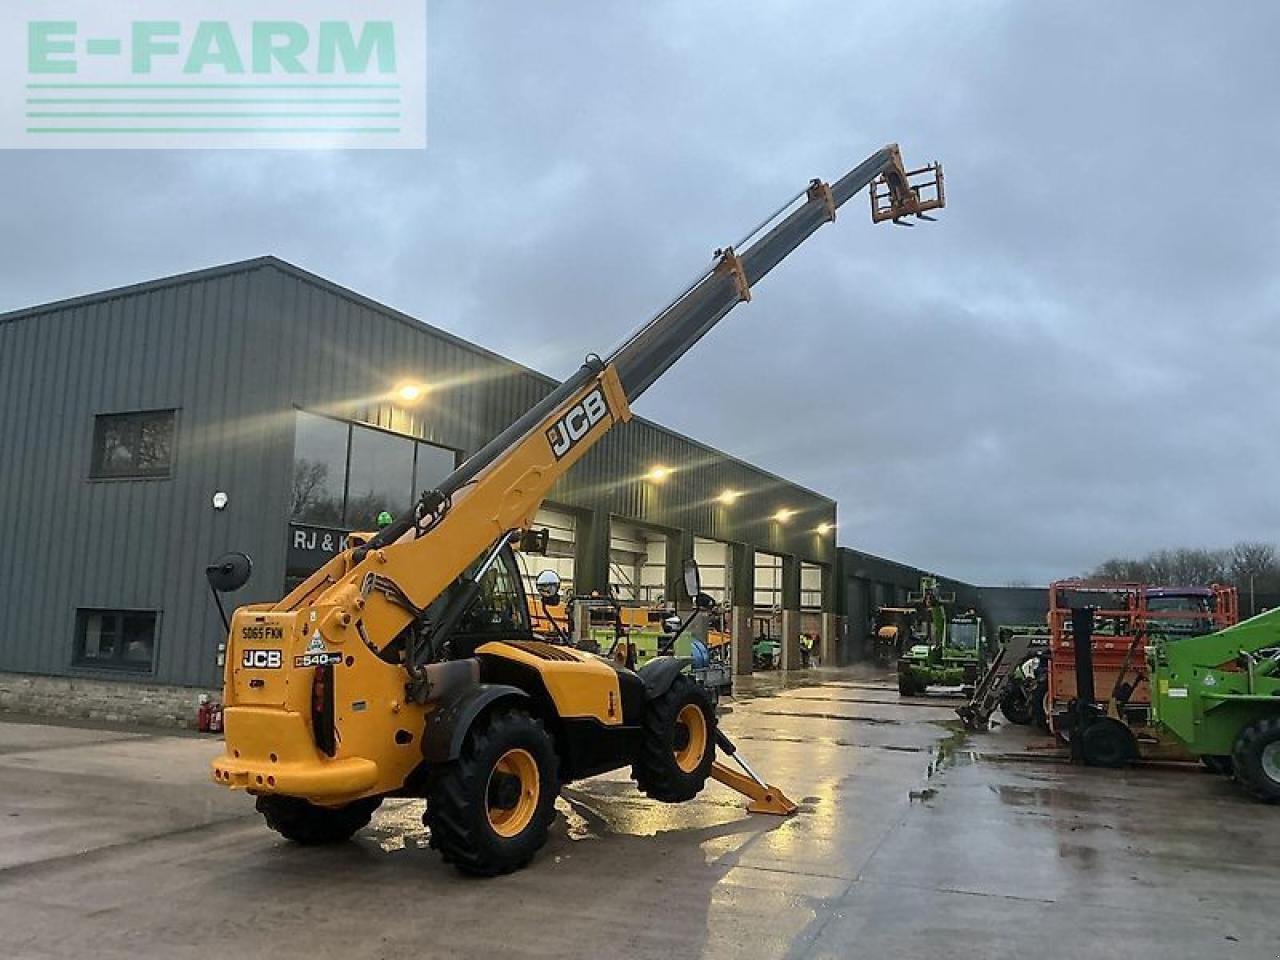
(322, 710)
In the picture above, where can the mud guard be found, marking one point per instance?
(660, 672)
(447, 727)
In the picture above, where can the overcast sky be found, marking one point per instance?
(1078, 360)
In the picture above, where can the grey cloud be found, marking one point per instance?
(1078, 360)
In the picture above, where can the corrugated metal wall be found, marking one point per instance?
(71, 542)
(235, 350)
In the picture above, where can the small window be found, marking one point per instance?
(116, 639)
(133, 444)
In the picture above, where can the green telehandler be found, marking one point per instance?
(1220, 695)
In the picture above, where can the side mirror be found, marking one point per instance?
(692, 578)
(548, 586)
(229, 572)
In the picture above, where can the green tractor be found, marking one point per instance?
(952, 651)
(956, 659)
(1219, 694)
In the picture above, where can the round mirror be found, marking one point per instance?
(229, 572)
(692, 578)
(548, 584)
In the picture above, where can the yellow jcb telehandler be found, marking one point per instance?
(407, 667)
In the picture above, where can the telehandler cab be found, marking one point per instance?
(407, 667)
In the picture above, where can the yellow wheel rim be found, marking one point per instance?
(512, 793)
(691, 737)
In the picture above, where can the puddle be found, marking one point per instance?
(950, 752)
(876, 721)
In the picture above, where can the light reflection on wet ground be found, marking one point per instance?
(914, 839)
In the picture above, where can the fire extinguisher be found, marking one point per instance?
(203, 713)
(208, 715)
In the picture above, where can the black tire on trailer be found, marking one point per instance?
(678, 743)
(306, 823)
(1016, 706)
(1218, 763)
(1256, 759)
(489, 811)
(1109, 743)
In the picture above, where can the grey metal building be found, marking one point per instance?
(258, 407)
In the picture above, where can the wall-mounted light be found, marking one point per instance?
(823, 529)
(658, 474)
(784, 515)
(410, 392)
(729, 496)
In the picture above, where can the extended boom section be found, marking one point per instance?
(396, 666)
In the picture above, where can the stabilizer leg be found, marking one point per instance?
(765, 798)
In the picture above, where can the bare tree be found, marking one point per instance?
(1247, 565)
(309, 497)
(1256, 562)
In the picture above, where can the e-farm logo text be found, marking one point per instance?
(307, 74)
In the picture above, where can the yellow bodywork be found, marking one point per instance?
(580, 684)
(270, 744)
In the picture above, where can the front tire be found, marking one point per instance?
(490, 810)
(303, 822)
(1016, 707)
(1109, 743)
(678, 744)
(1256, 759)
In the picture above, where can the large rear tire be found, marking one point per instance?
(303, 822)
(1256, 759)
(678, 744)
(908, 685)
(1016, 706)
(1109, 743)
(490, 810)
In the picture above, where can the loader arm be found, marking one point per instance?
(373, 608)
(397, 574)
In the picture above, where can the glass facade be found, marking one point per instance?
(380, 477)
(345, 474)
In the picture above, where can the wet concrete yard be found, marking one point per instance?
(913, 840)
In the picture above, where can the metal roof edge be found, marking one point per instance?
(337, 289)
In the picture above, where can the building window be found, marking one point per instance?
(116, 639)
(345, 474)
(319, 470)
(130, 445)
(380, 477)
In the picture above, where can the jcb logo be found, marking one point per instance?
(262, 659)
(573, 426)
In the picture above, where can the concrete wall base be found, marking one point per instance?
(112, 701)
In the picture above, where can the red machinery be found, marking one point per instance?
(1125, 616)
